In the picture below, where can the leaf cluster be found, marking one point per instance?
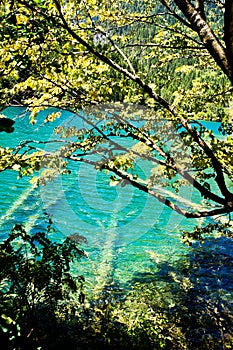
(36, 281)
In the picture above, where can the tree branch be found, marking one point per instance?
(180, 19)
(170, 162)
(207, 36)
(220, 180)
(200, 6)
(159, 197)
(228, 32)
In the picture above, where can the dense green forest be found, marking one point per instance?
(145, 71)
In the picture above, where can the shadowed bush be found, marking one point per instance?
(36, 286)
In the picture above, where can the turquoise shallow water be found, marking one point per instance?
(128, 232)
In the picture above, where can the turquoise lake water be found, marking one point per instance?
(128, 232)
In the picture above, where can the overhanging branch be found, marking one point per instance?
(159, 197)
(207, 36)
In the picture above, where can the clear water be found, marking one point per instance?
(128, 232)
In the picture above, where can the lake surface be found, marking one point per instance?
(129, 233)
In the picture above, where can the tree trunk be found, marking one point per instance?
(207, 36)
(228, 34)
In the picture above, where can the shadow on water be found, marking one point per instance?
(197, 294)
(181, 305)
